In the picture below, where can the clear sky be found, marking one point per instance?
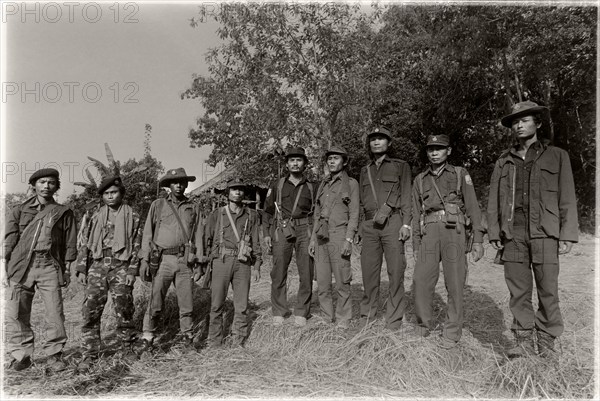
(55, 58)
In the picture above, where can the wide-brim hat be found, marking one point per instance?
(44, 172)
(296, 151)
(109, 182)
(521, 109)
(336, 150)
(174, 175)
(235, 183)
(438, 140)
(380, 131)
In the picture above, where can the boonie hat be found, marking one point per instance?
(174, 175)
(521, 109)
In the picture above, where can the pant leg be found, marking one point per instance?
(282, 256)
(305, 271)
(160, 286)
(342, 272)
(18, 315)
(371, 259)
(221, 277)
(96, 295)
(184, 286)
(395, 259)
(241, 290)
(122, 298)
(324, 249)
(454, 263)
(426, 275)
(51, 294)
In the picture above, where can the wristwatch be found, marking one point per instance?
(349, 240)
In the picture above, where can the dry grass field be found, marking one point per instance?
(323, 362)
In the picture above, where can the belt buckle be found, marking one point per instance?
(107, 260)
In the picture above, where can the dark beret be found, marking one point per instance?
(45, 172)
(109, 182)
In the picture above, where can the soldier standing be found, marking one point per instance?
(232, 239)
(385, 199)
(288, 226)
(40, 243)
(172, 244)
(532, 218)
(444, 208)
(336, 222)
(114, 234)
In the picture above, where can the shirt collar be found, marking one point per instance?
(173, 199)
(446, 168)
(302, 180)
(36, 203)
(535, 146)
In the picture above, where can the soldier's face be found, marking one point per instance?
(46, 186)
(379, 144)
(525, 127)
(112, 196)
(178, 187)
(438, 154)
(296, 164)
(335, 163)
(236, 194)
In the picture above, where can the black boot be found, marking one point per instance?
(524, 344)
(546, 346)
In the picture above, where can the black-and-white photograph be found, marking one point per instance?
(299, 200)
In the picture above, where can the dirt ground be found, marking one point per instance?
(486, 300)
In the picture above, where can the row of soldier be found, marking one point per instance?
(531, 218)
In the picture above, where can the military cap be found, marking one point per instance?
(44, 172)
(336, 150)
(296, 151)
(438, 140)
(174, 175)
(521, 109)
(380, 131)
(235, 182)
(109, 182)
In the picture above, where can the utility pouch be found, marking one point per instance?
(190, 253)
(244, 250)
(289, 232)
(323, 230)
(452, 214)
(155, 259)
(382, 214)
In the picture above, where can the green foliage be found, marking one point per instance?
(315, 74)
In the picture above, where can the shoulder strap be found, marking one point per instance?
(279, 189)
(459, 171)
(222, 227)
(233, 227)
(438, 191)
(296, 202)
(420, 189)
(159, 206)
(176, 213)
(372, 186)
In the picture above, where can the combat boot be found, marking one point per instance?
(17, 365)
(546, 348)
(524, 344)
(86, 364)
(56, 362)
(126, 352)
(144, 351)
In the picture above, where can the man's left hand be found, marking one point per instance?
(130, 280)
(256, 275)
(564, 247)
(347, 248)
(66, 278)
(477, 252)
(404, 233)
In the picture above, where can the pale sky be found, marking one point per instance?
(151, 61)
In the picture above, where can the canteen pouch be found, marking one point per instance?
(155, 259)
(190, 253)
(323, 231)
(244, 251)
(288, 230)
(452, 214)
(382, 214)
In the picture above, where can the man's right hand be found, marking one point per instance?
(311, 249)
(145, 270)
(496, 244)
(3, 273)
(267, 241)
(82, 278)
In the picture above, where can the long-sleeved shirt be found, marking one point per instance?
(246, 218)
(391, 174)
(343, 203)
(288, 196)
(169, 234)
(446, 181)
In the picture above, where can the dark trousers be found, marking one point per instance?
(282, 256)
(377, 242)
(226, 271)
(526, 260)
(448, 246)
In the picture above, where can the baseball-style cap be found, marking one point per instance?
(438, 140)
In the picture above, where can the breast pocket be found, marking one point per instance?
(390, 182)
(549, 177)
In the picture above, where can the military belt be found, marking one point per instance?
(302, 220)
(177, 250)
(228, 251)
(45, 254)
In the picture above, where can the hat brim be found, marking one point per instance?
(507, 120)
(165, 181)
(379, 133)
(442, 144)
(344, 155)
(296, 155)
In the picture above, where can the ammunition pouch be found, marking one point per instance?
(382, 214)
(288, 230)
(323, 230)
(244, 251)
(155, 259)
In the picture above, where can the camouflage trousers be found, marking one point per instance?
(107, 274)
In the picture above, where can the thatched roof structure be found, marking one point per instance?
(218, 182)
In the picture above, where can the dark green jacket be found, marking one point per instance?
(552, 203)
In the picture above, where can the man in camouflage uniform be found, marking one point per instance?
(40, 242)
(113, 237)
